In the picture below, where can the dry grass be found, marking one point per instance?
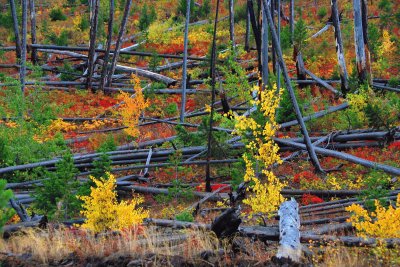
(57, 244)
(51, 246)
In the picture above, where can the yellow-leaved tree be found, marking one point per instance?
(103, 212)
(257, 133)
(383, 222)
(132, 107)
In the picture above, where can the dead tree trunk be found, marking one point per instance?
(109, 40)
(264, 48)
(184, 70)
(92, 43)
(364, 15)
(119, 41)
(344, 77)
(301, 75)
(359, 42)
(278, 72)
(289, 231)
(212, 74)
(291, 20)
(272, 8)
(307, 141)
(256, 32)
(16, 29)
(24, 25)
(232, 23)
(33, 30)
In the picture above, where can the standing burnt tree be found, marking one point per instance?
(363, 70)
(119, 41)
(24, 25)
(94, 11)
(109, 40)
(185, 54)
(339, 48)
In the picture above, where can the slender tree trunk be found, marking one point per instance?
(344, 77)
(300, 69)
(264, 49)
(24, 25)
(109, 40)
(212, 74)
(119, 41)
(291, 19)
(247, 37)
(16, 29)
(232, 23)
(364, 15)
(272, 8)
(278, 72)
(359, 42)
(92, 45)
(307, 141)
(33, 30)
(185, 54)
(256, 32)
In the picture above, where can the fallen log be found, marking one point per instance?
(344, 156)
(289, 233)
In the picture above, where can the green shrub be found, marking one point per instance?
(5, 211)
(146, 17)
(57, 197)
(300, 34)
(240, 12)
(57, 14)
(184, 216)
(61, 40)
(171, 109)
(321, 13)
(84, 23)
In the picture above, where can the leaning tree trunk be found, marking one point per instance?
(119, 41)
(364, 15)
(344, 77)
(33, 30)
(92, 45)
(307, 141)
(212, 74)
(264, 48)
(109, 40)
(16, 29)
(232, 23)
(24, 25)
(359, 42)
(184, 70)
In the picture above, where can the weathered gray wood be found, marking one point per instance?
(119, 42)
(289, 231)
(359, 42)
(344, 77)
(108, 48)
(232, 23)
(275, 40)
(147, 74)
(184, 70)
(291, 19)
(264, 48)
(213, 79)
(364, 19)
(322, 82)
(324, 29)
(344, 156)
(94, 11)
(16, 29)
(24, 25)
(316, 115)
(33, 30)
